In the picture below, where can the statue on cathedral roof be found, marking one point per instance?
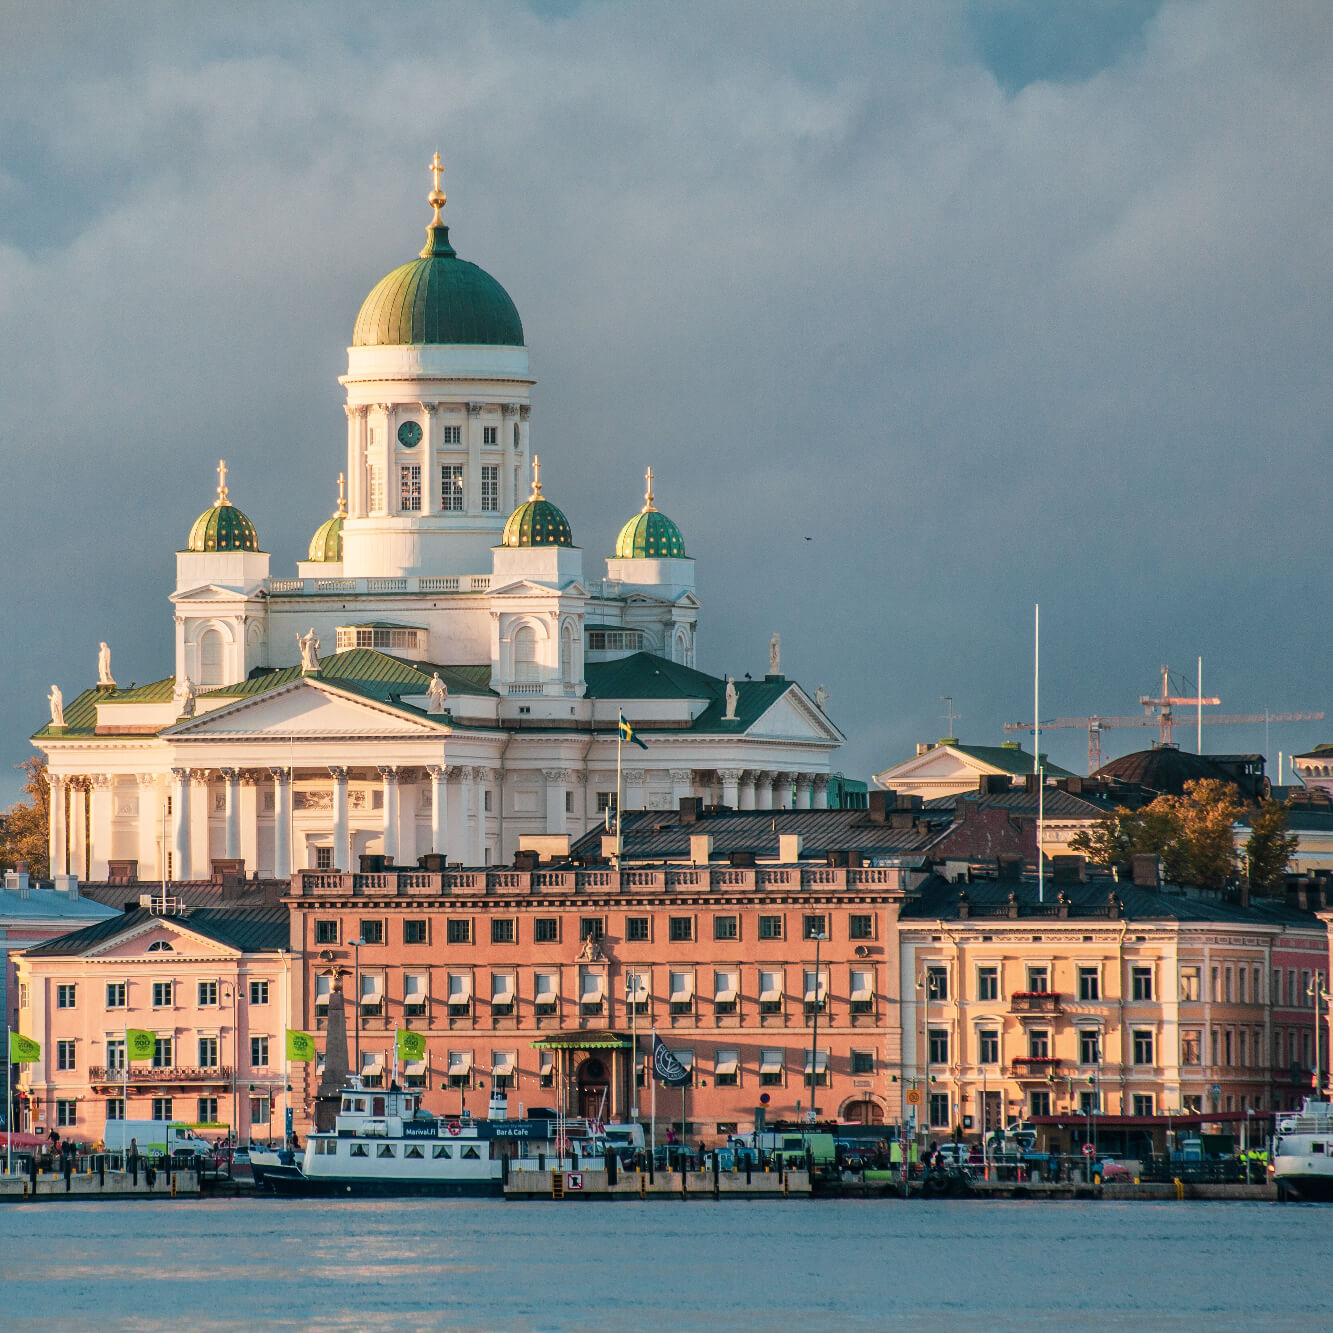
(309, 650)
(821, 698)
(437, 696)
(57, 702)
(730, 714)
(775, 655)
(104, 676)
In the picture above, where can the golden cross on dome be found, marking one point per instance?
(222, 482)
(648, 504)
(436, 198)
(342, 497)
(536, 477)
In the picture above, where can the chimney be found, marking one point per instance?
(964, 905)
(526, 860)
(1008, 866)
(1032, 782)
(789, 847)
(1146, 871)
(834, 857)
(1067, 869)
(689, 809)
(990, 784)
(608, 845)
(878, 805)
(740, 860)
(701, 848)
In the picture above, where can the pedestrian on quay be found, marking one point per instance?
(132, 1162)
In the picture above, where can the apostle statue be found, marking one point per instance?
(730, 715)
(437, 696)
(821, 698)
(184, 698)
(309, 650)
(775, 655)
(104, 676)
(57, 702)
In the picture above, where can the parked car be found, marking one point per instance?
(1110, 1169)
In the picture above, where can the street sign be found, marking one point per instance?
(914, 1096)
(574, 1180)
(1088, 1150)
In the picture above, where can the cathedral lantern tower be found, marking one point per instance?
(437, 416)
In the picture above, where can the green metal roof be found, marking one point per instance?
(537, 523)
(582, 1041)
(650, 534)
(1007, 760)
(438, 298)
(248, 929)
(327, 543)
(222, 527)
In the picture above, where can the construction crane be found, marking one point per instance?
(1157, 713)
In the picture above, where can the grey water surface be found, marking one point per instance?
(853, 1265)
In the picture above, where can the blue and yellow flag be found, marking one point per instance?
(627, 733)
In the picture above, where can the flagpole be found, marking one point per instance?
(286, 1053)
(9, 1098)
(620, 748)
(652, 1069)
(125, 1071)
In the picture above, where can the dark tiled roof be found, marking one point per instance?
(939, 900)
(1017, 762)
(250, 895)
(250, 930)
(1056, 804)
(1163, 768)
(658, 835)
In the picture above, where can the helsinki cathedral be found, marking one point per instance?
(441, 676)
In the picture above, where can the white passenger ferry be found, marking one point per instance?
(1303, 1152)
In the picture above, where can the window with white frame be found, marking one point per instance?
(451, 486)
(164, 1049)
(66, 997)
(490, 435)
(208, 1052)
(1144, 1045)
(208, 994)
(115, 1108)
(65, 1055)
(163, 994)
(67, 1112)
(937, 983)
(545, 993)
(259, 1052)
(115, 994)
(206, 1109)
(1140, 983)
(451, 435)
(771, 1067)
(409, 488)
(376, 488)
(490, 488)
(259, 992)
(988, 983)
(415, 986)
(162, 1108)
(988, 1046)
(115, 1053)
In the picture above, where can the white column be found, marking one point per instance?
(200, 817)
(439, 808)
(803, 784)
(342, 833)
(821, 791)
(58, 845)
(763, 790)
(456, 843)
(389, 778)
(282, 823)
(682, 785)
(231, 846)
(430, 490)
(482, 777)
(356, 461)
(393, 500)
(747, 789)
(555, 779)
(101, 827)
(249, 823)
(731, 786)
(78, 828)
(150, 827)
(507, 456)
(472, 481)
(180, 823)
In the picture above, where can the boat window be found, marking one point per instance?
(385, 1150)
(347, 1103)
(441, 1150)
(378, 1106)
(1316, 1147)
(360, 1103)
(358, 1150)
(326, 1147)
(413, 1151)
(471, 1152)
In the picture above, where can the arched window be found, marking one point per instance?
(210, 658)
(160, 946)
(525, 653)
(568, 647)
(681, 647)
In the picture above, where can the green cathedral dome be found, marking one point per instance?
(222, 527)
(650, 533)
(327, 543)
(537, 522)
(437, 297)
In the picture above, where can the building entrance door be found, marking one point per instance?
(993, 1117)
(594, 1089)
(863, 1112)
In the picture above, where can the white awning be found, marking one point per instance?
(810, 986)
(460, 987)
(726, 1062)
(414, 986)
(821, 1061)
(863, 983)
(770, 1062)
(414, 1067)
(636, 986)
(546, 985)
(502, 1063)
(460, 1062)
(372, 1062)
(546, 1061)
(323, 990)
(502, 988)
(592, 986)
(770, 986)
(682, 987)
(372, 987)
(725, 985)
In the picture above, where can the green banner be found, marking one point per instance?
(300, 1045)
(411, 1045)
(139, 1044)
(23, 1050)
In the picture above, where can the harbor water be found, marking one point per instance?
(848, 1265)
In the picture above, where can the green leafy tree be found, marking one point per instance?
(25, 834)
(1270, 847)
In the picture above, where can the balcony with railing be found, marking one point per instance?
(1035, 1002)
(110, 1076)
(1034, 1066)
(340, 587)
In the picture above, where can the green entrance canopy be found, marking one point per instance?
(583, 1041)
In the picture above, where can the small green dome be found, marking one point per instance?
(222, 527)
(650, 533)
(537, 522)
(438, 298)
(327, 543)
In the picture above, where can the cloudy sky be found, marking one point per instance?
(997, 302)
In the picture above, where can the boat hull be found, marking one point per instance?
(292, 1181)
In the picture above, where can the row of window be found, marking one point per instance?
(410, 435)
(164, 994)
(938, 1041)
(547, 929)
(163, 1108)
(164, 1053)
(451, 492)
(1038, 982)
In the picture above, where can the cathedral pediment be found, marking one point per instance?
(795, 716)
(160, 938)
(208, 592)
(530, 588)
(310, 708)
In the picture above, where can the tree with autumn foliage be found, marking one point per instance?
(1270, 847)
(24, 830)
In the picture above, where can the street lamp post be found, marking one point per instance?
(632, 998)
(819, 937)
(356, 1004)
(1317, 992)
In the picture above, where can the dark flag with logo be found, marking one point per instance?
(666, 1067)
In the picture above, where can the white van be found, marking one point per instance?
(153, 1137)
